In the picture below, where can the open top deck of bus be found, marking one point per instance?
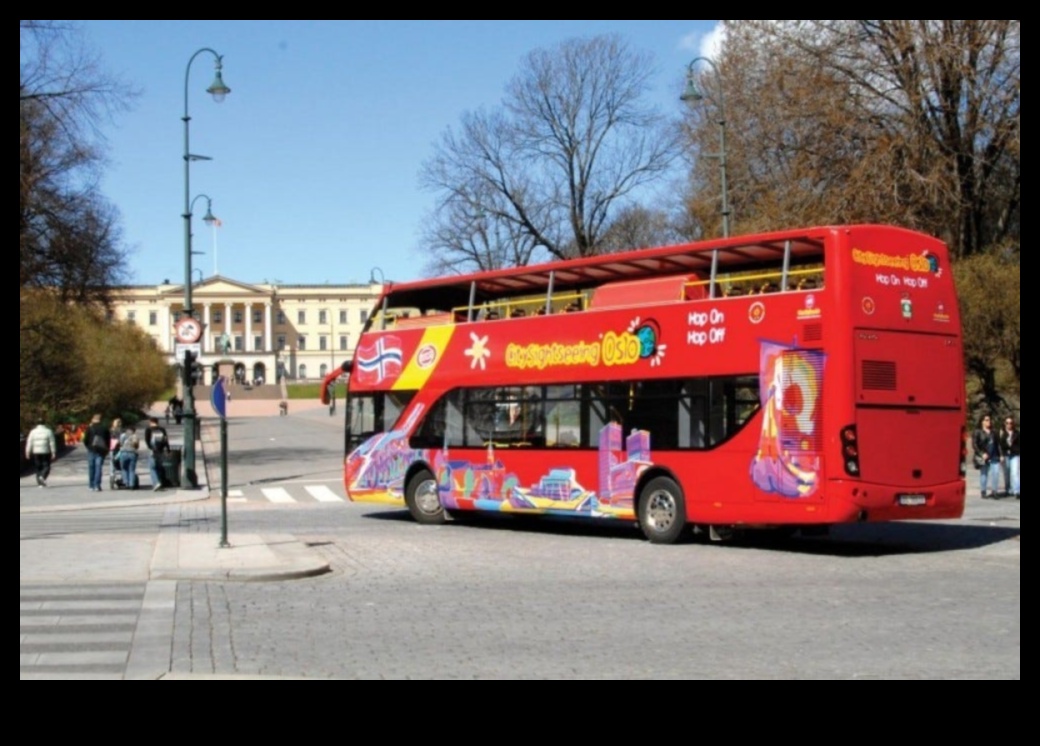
(773, 262)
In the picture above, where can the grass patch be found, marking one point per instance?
(313, 390)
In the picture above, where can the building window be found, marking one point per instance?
(301, 317)
(238, 317)
(281, 341)
(258, 343)
(258, 315)
(303, 371)
(280, 318)
(343, 341)
(218, 317)
(323, 370)
(323, 342)
(301, 342)
(238, 343)
(131, 317)
(364, 316)
(343, 316)
(323, 317)
(153, 318)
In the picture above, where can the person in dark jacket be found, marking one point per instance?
(158, 442)
(1010, 452)
(986, 456)
(97, 440)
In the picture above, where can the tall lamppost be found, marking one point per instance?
(218, 90)
(693, 93)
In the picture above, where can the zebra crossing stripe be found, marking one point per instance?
(277, 495)
(322, 493)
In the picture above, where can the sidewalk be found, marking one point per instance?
(188, 545)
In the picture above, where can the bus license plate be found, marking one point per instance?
(912, 499)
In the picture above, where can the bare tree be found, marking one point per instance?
(68, 233)
(546, 173)
(911, 122)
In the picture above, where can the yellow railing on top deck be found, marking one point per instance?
(518, 308)
(757, 283)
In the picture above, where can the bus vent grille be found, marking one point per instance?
(813, 333)
(879, 375)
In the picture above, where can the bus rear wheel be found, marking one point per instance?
(662, 511)
(422, 499)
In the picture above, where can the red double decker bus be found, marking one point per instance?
(794, 379)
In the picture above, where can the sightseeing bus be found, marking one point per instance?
(789, 380)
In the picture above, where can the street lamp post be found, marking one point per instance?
(218, 90)
(693, 93)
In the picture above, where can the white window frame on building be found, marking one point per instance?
(153, 318)
(301, 317)
(258, 343)
(301, 342)
(281, 341)
(237, 316)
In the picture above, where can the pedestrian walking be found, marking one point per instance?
(986, 456)
(97, 440)
(158, 443)
(41, 447)
(1010, 454)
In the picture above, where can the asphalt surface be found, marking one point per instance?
(186, 549)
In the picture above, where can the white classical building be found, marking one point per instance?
(265, 331)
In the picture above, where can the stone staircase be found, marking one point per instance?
(245, 401)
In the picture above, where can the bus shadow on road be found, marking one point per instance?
(846, 540)
(880, 539)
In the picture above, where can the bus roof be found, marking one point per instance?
(577, 274)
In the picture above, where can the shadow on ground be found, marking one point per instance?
(851, 540)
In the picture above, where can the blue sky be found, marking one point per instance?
(317, 150)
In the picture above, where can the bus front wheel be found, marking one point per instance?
(662, 511)
(422, 499)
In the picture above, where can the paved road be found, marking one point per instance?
(509, 599)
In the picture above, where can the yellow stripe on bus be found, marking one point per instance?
(433, 343)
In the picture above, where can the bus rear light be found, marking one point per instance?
(850, 450)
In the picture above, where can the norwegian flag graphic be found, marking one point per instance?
(380, 360)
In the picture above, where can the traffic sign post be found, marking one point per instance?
(219, 400)
(181, 349)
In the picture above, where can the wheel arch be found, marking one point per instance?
(653, 472)
(414, 468)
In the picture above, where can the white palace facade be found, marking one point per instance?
(266, 332)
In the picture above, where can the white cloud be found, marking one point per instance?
(704, 44)
(711, 43)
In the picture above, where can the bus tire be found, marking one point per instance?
(662, 511)
(422, 499)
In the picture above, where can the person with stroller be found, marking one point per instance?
(129, 445)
